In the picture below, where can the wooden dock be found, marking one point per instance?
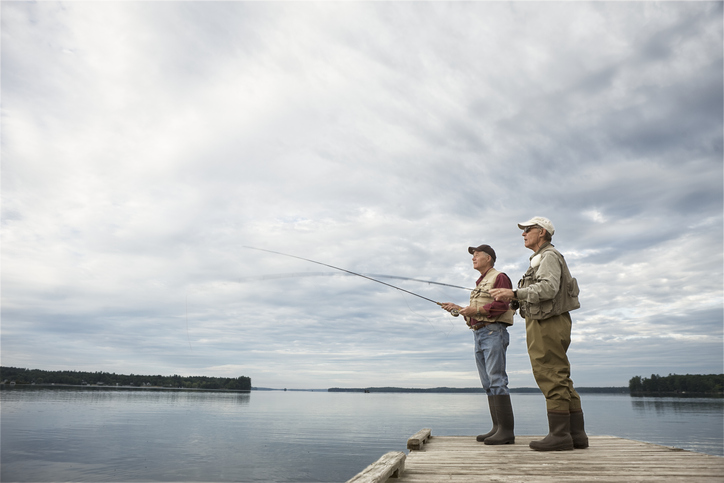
(608, 459)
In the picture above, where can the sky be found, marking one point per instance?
(146, 144)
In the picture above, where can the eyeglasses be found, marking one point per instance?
(529, 228)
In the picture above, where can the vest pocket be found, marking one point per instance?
(573, 290)
(541, 310)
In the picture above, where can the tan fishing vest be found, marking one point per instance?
(480, 296)
(565, 300)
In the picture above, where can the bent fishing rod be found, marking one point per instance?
(454, 312)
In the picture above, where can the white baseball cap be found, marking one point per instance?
(544, 223)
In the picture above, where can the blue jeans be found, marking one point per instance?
(491, 342)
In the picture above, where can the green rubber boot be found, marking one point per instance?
(494, 417)
(559, 433)
(506, 422)
(578, 433)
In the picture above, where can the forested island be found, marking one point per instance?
(17, 375)
(677, 384)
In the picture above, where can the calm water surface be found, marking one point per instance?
(60, 434)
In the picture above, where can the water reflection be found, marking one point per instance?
(103, 394)
(678, 405)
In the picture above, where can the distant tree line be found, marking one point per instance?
(522, 390)
(37, 376)
(677, 384)
(406, 389)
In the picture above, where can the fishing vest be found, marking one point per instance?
(480, 296)
(565, 300)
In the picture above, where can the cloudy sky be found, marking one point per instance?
(145, 144)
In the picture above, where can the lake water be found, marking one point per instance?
(61, 434)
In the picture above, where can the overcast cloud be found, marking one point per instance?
(144, 144)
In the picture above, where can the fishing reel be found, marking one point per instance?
(453, 312)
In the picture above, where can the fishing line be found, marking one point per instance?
(432, 324)
(429, 282)
(454, 312)
(329, 274)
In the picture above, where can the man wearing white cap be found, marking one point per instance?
(546, 295)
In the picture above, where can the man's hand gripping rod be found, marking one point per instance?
(454, 312)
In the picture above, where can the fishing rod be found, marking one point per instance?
(454, 312)
(422, 281)
(328, 274)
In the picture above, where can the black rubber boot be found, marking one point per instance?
(494, 417)
(559, 435)
(506, 422)
(578, 433)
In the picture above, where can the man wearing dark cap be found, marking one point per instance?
(489, 321)
(546, 295)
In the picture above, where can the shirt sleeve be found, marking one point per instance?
(498, 308)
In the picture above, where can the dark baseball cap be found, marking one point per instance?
(483, 248)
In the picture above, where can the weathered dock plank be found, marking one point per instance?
(608, 459)
(418, 439)
(390, 465)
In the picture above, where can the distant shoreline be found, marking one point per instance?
(389, 390)
(472, 390)
(96, 386)
(19, 375)
(461, 390)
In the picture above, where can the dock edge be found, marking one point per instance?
(390, 465)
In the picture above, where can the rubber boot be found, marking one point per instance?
(494, 417)
(506, 422)
(578, 434)
(559, 435)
